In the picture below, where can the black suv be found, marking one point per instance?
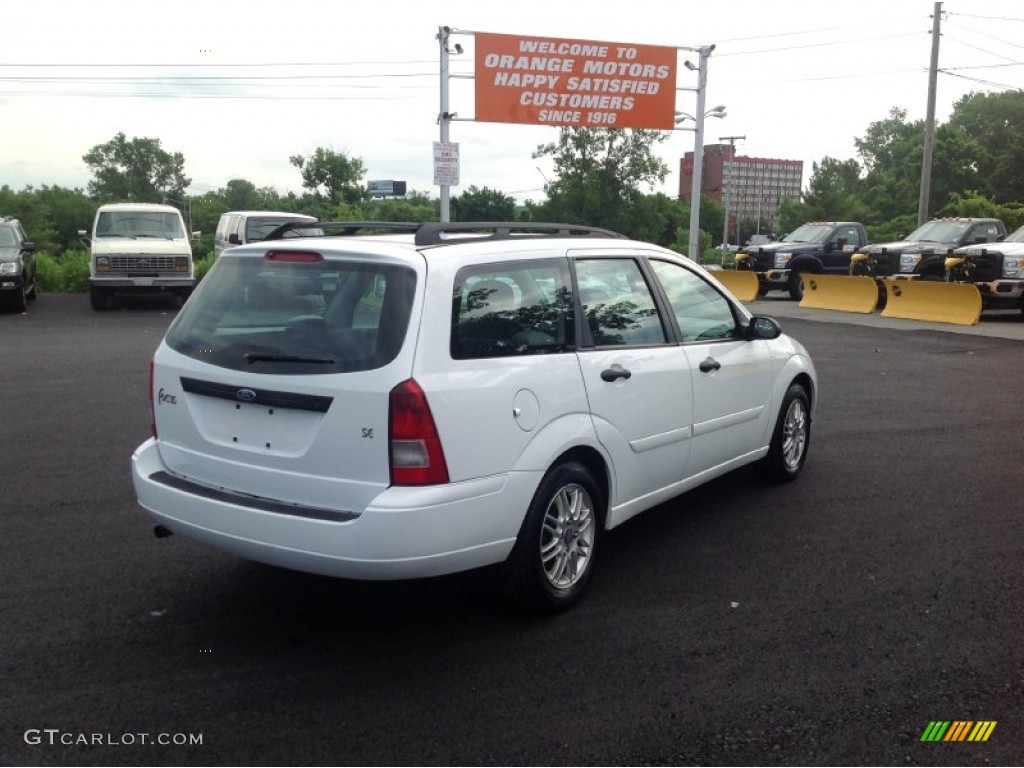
(17, 265)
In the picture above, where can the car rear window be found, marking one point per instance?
(258, 227)
(287, 317)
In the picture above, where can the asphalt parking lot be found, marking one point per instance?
(826, 622)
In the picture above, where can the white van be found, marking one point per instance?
(138, 248)
(242, 227)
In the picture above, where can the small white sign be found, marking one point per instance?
(446, 164)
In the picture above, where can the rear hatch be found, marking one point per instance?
(274, 380)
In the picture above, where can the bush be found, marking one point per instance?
(202, 266)
(49, 273)
(69, 274)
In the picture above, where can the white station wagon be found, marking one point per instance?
(442, 397)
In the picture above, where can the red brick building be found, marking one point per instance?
(752, 187)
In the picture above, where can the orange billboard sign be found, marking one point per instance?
(578, 83)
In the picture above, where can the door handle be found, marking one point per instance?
(709, 364)
(611, 374)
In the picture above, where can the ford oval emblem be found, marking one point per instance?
(245, 395)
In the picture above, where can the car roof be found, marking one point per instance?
(292, 215)
(138, 206)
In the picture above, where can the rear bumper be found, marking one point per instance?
(404, 533)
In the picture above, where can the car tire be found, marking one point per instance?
(796, 286)
(20, 299)
(791, 438)
(551, 563)
(99, 299)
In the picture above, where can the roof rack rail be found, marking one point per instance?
(447, 233)
(434, 233)
(343, 228)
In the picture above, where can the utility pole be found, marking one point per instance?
(725, 185)
(929, 124)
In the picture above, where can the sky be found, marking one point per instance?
(238, 88)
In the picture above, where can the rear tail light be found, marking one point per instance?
(152, 410)
(416, 454)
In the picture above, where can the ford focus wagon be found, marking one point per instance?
(392, 401)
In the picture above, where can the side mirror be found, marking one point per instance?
(762, 328)
(196, 234)
(233, 239)
(28, 246)
(84, 237)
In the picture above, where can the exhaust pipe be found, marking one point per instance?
(161, 532)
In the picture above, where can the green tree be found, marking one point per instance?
(241, 195)
(891, 154)
(658, 218)
(415, 206)
(600, 172)
(835, 192)
(332, 175)
(995, 121)
(139, 170)
(483, 205)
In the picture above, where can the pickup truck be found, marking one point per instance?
(817, 247)
(923, 253)
(997, 269)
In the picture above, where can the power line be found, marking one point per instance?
(209, 65)
(982, 50)
(989, 18)
(983, 82)
(874, 25)
(830, 44)
(986, 66)
(988, 36)
(264, 97)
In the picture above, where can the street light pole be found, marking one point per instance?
(698, 153)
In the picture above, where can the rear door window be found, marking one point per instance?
(288, 317)
(518, 308)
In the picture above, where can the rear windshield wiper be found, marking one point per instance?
(253, 357)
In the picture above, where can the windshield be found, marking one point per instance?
(1016, 237)
(809, 233)
(939, 231)
(257, 228)
(139, 224)
(284, 317)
